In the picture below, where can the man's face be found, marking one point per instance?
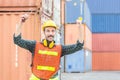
(49, 33)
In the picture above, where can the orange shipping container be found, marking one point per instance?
(105, 61)
(14, 61)
(72, 35)
(62, 12)
(4, 3)
(106, 42)
(88, 38)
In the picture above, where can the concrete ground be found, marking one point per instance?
(95, 75)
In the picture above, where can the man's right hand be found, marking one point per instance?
(24, 17)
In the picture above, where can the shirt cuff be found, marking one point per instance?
(19, 36)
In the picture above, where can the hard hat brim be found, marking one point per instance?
(50, 26)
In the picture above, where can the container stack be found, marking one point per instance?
(80, 61)
(15, 61)
(106, 35)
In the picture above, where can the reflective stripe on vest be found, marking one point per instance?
(52, 53)
(48, 68)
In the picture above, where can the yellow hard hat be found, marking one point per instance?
(49, 23)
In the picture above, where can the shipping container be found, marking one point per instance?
(87, 38)
(75, 9)
(105, 61)
(62, 64)
(72, 35)
(88, 60)
(87, 16)
(106, 42)
(70, 7)
(18, 3)
(62, 12)
(81, 60)
(75, 62)
(105, 23)
(15, 62)
(104, 6)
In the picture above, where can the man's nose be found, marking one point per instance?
(50, 32)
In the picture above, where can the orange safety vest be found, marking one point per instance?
(46, 61)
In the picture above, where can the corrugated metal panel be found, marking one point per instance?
(104, 6)
(1, 50)
(80, 61)
(62, 64)
(87, 16)
(75, 62)
(105, 23)
(72, 37)
(74, 9)
(62, 12)
(15, 9)
(4, 3)
(106, 42)
(4, 51)
(72, 6)
(87, 38)
(8, 50)
(105, 61)
(88, 60)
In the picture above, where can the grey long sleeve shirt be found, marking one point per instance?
(30, 45)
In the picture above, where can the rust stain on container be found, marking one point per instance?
(105, 61)
(106, 42)
(30, 31)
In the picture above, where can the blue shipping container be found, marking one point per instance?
(72, 11)
(80, 61)
(88, 60)
(104, 6)
(62, 64)
(75, 62)
(87, 16)
(105, 23)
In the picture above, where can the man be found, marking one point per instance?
(46, 54)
